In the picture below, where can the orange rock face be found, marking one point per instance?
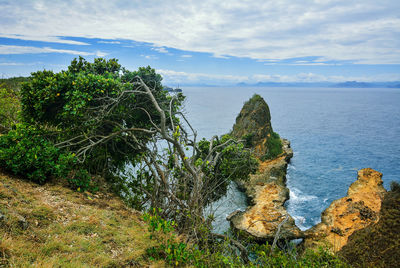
(268, 193)
(344, 216)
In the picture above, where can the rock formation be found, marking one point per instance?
(377, 245)
(344, 216)
(254, 124)
(266, 190)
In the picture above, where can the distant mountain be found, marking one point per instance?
(347, 84)
(354, 84)
(286, 84)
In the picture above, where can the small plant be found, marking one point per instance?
(274, 146)
(157, 223)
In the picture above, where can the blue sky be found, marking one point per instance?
(210, 42)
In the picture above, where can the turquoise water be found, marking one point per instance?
(333, 133)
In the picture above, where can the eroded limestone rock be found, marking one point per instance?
(267, 192)
(344, 216)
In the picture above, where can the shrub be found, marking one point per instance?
(25, 151)
(9, 108)
(274, 146)
(87, 100)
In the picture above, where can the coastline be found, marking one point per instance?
(267, 193)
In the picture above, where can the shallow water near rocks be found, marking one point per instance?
(333, 132)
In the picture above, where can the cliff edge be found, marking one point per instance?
(266, 190)
(360, 208)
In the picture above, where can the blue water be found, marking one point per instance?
(333, 133)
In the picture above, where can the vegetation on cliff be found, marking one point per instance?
(253, 125)
(54, 226)
(378, 245)
(99, 120)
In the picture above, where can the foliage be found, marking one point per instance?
(9, 108)
(14, 83)
(395, 187)
(266, 257)
(25, 151)
(176, 253)
(274, 146)
(89, 99)
(234, 162)
(221, 254)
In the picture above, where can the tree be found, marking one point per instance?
(90, 99)
(115, 121)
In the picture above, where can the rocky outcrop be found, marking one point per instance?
(344, 216)
(253, 124)
(266, 190)
(377, 245)
(267, 194)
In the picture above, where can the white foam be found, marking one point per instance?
(300, 222)
(296, 196)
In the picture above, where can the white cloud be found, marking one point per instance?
(100, 53)
(363, 31)
(186, 56)
(109, 42)
(8, 49)
(171, 76)
(149, 57)
(50, 39)
(160, 49)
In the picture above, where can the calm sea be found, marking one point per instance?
(333, 132)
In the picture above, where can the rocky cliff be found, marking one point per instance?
(266, 190)
(377, 245)
(344, 216)
(254, 124)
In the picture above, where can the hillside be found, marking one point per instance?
(51, 225)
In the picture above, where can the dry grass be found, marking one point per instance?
(64, 228)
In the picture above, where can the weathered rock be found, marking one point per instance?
(377, 245)
(267, 192)
(254, 124)
(344, 216)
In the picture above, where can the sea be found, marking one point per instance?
(334, 132)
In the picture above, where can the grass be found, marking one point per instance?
(68, 229)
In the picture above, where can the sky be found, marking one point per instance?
(208, 42)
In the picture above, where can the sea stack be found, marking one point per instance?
(266, 190)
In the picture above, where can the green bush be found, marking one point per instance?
(274, 146)
(235, 162)
(79, 102)
(221, 253)
(25, 151)
(9, 108)
(266, 257)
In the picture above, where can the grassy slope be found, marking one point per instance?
(67, 228)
